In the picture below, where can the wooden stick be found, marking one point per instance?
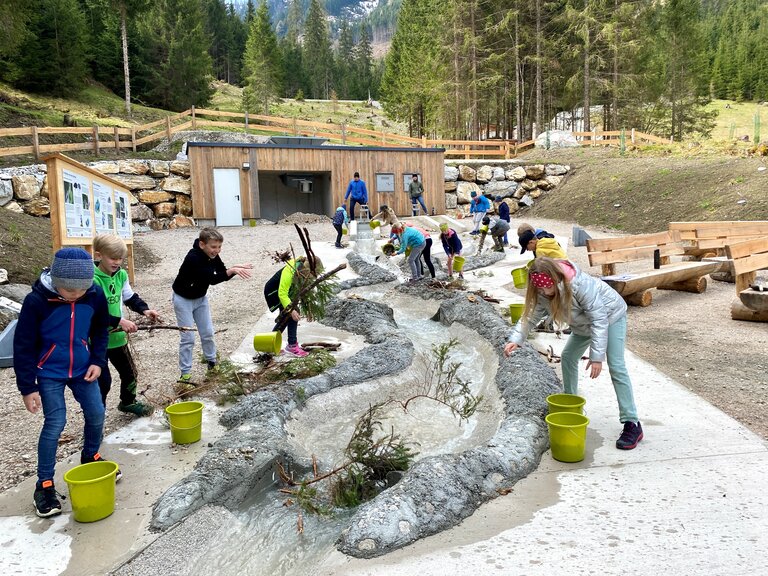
(642, 298)
(282, 319)
(163, 327)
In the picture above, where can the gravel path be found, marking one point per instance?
(689, 337)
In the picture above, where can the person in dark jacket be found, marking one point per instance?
(359, 193)
(497, 230)
(339, 220)
(503, 211)
(452, 247)
(61, 342)
(202, 267)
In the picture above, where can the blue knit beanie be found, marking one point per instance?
(72, 269)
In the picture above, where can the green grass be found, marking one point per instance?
(740, 115)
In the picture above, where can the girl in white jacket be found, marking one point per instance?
(597, 316)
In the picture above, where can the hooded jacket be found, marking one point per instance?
(198, 272)
(410, 238)
(451, 242)
(594, 307)
(479, 204)
(358, 191)
(56, 338)
(340, 216)
(550, 248)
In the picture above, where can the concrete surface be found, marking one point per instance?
(689, 500)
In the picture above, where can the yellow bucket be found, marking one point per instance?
(186, 419)
(374, 224)
(520, 277)
(344, 231)
(458, 263)
(516, 312)
(566, 403)
(270, 342)
(567, 435)
(92, 490)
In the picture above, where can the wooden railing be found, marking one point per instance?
(97, 139)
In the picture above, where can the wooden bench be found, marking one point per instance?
(635, 286)
(707, 239)
(746, 258)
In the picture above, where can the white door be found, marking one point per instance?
(226, 192)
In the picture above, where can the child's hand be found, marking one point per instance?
(295, 315)
(595, 368)
(242, 271)
(153, 315)
(32, 402)
(510, 347)
(92, 374)
(127, 325)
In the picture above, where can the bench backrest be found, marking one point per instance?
(714, 235)
(748, 257)
(606, 251)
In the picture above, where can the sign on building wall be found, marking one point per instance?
(385, 182)
(86, 203)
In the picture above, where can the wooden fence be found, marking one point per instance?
(101, 139)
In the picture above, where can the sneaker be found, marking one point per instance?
(296, 350)
(474, 233)
(185, 379)
(99, 458)
(137, 408)
(46, 500)
(211, 365)
(630, 437)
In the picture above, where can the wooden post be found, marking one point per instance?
(633, 136)
(168, 128)
(95, 140)
(515, 148)
(246, 120)
(133, 138)
(117, 140)
(506, 149)
(466, 152)
(35, 143)
(343, 132)
(594, 136)
(194, 118)
(423, 141)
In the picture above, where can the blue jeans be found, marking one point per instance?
(421, 201)
(622, 385)
(88, 396)
(188, 313)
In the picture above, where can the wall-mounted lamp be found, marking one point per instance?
(246, 166)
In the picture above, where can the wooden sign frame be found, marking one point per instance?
(84, 203)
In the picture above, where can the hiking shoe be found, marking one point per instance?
(296, 350)
(630, 437)
(46, 500)
(137, 408)
(185, 379)
(211, 365)
(99, 458)
(474, 233)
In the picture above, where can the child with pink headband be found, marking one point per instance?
(597, 316)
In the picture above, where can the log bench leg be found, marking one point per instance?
(642, 298)
(695, 285)
(741, 312)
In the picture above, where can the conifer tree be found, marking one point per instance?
(316, 52)
(262, 68)
(343, 69)
(363, 64)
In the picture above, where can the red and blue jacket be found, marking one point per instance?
(59, 339)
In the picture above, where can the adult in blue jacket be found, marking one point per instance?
(413, 239)
(358, 193)
(478, 207)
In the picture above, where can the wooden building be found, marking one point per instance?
(232, 183)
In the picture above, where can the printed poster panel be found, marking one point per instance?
(385, 182)
(77, 205)
(407, 178)
(122, 215)
(103, 208)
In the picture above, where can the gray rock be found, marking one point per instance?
(504, 188)
(556, 169)
(498, 173)
(451, 174)
(451, 201)
(517, 174)
(556, 139)
(15, 292)
(467, 173)
(484, 174)
(141, 212)
(6, 191)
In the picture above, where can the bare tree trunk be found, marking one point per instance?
(615, 100)
(587, 48)
(518, 84)
(538, 127)
(456, 69)
(126, 69)
(473, 60)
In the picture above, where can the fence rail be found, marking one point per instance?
(100, 139)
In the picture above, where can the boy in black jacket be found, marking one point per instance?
(201, 268)
(61, 341)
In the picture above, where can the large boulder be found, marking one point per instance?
(553, 180)
(135, 182)
(133, 167)
(6, 191)
(179, 221)
(517, 174)
(484, 174)
(141, 212)
(13, 206)
(466, 173)
(556, 169)
(528, 185)
(164, 209)
(180, 167)
(154, 196)
(176, 184)
(556, 139)
(159, 168)
(498, 173)
(37, 207)
(105, 167)
(464, 191)
(451, 174)
(504, 188)
(183, 205)
(535, 171)
(25, 187)
(450, 186)
(451, 201)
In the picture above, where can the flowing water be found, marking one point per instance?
(263, 539)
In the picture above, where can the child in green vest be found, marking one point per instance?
(109, 251)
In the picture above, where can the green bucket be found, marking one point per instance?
(520, 277)
(566, 403)
(186, 419)
(92, 490)
(270, 342)
(567, 435)
(516, 312)
(458, 263)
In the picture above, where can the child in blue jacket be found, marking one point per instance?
(340, 219)
(413, 239)
(61, 342)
